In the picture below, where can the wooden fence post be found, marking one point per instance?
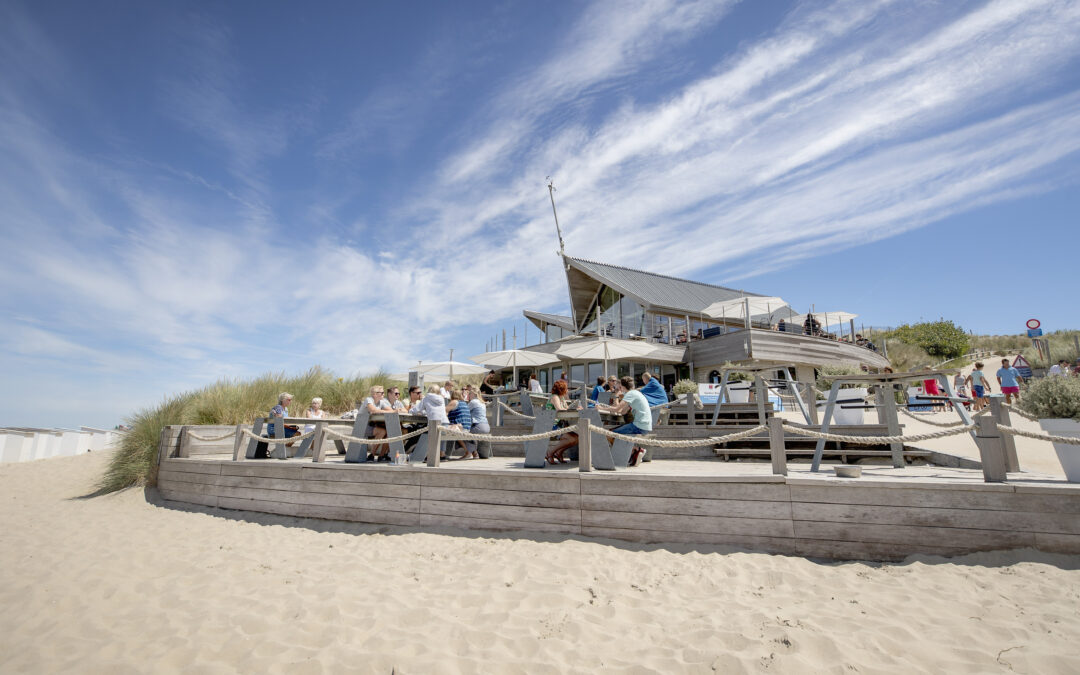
(811, 402)
(1001, 416)
(584, 444)
(433, 443)
(317, 443)
(991, 450)
(182, 446)
(238, 443)
(776, 446)
(762, 396)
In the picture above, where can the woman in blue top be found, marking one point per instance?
(979, 386)
(478, 412)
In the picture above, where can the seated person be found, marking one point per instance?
(599, 387)
(478, 413)
(457, 411)
(375, 404)
(415, 394)
(652, 390)
(558, 402)
(432, 406)
(633, 401)
(447, 389)
(315, 412)
(282, 410)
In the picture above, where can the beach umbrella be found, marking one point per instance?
(512, 358)
(448, 368)
(605, 349)
(826, 318)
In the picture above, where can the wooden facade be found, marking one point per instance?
(769, 346)
(670, 502)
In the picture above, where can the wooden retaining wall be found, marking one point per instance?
(820, 517)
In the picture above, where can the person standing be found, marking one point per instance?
(534, 384)
(979, 385)
(1009, 379)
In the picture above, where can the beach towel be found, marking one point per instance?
(654, 392)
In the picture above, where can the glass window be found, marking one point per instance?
(595, 370)
(577, 374)
(543, 379)
(556, 373)
(631, 318)
(622, 368)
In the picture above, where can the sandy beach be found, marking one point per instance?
(128, 583)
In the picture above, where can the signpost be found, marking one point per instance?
(1022, 366)
(1034, 330)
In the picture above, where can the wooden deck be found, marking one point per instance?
(887, 514)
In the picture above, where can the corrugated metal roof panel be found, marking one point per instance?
(657, 290)
(553, 319)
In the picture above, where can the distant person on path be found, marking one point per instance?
(1059, 369)
(979, 386)
(1009, 379)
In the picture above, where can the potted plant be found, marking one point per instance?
(850, 394)
(1056, 402)
(740, 393)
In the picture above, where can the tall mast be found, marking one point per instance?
(551, 193)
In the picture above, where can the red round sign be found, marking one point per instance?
(1033, 323)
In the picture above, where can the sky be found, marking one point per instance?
(195, 191)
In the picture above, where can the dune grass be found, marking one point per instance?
(228, 402)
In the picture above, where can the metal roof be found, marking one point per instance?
(539, 318)
(653, 291)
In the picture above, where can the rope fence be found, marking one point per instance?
(931, 422)
(1042, 437)
(373, 441)
(659, 443)
(211, 439)
(272, 439)
(875, 440)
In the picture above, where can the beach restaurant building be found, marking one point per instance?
(635, 308)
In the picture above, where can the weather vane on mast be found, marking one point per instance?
(551, 193)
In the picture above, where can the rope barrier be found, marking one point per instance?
(211, 439)
(272, 439)
(1020, 412)
(454, 435)
(515, 413)
(875, 440)
(940, 424)
(658, 443)
(373, 441)
(1070, 440)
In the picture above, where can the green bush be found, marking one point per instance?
(684, 387)
(1052, 397)
(942, 339)
(227, 402)
(736, 375)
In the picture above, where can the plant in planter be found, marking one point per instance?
(1056, 402)
(740, 393)
(683, 387)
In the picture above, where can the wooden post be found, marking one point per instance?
(691, 413)
(1001, 416)
(584, 444)
(238, 443)
(811, 402)
(320, 437)
(776, 446)
(433, 443)
(498, 411)
(280, 451)
(762, 396)
(991, 450)
(892, 420)
(182, 449)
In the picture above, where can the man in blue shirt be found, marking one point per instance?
(1009, 379)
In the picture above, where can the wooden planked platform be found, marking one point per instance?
(887, 514)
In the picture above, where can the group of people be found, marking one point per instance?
(627, 401)
(811, 326)
(461, 409)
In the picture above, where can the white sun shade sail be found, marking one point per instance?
(604, 349)
(759, 307)
(826, 318)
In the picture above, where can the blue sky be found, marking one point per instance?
(191, 191)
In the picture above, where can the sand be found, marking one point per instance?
(127, 583)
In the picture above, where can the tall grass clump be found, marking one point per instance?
(905, 357)
(228, 402)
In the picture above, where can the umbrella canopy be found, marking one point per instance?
(737, 308)
(604, 349)
(512, 358)
(448, 368)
